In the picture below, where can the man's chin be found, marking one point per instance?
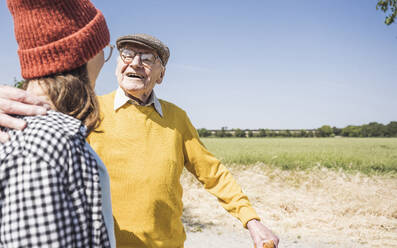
(132, 85)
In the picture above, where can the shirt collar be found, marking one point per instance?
(121, 99)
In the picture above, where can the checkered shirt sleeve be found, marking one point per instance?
(50, 194)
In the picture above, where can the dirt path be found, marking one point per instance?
(216, 237)
(320, 208)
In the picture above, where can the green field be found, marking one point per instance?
(367, 155)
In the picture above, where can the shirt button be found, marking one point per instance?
(97, 224)
(96, 178)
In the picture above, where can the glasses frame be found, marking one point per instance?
(140, 56)
(111, 51)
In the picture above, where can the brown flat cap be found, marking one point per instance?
(146, 41)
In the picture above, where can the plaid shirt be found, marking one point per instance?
(50, 194)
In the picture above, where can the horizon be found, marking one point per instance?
(271, 65)
(288, 129)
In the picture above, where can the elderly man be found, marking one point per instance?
(145, 143)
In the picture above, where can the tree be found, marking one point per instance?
(351, 131)
(391, 129)
(373, 129)
(283, 133)
(221, 133)
(250, 133)
(203, 132)
(270, 133)
(262, 133)
(303, 133)
(296, 134)
(385, 6)
(325, 131)
(239, 133)
(337, 131)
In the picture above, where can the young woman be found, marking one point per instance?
(54, 189)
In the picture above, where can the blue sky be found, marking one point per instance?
(258, 64)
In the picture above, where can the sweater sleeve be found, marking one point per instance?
(215, 178)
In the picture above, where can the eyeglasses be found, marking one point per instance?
(107, 51)
(128, 55)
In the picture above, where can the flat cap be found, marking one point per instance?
(147, 41)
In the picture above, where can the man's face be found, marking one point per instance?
(137, 78)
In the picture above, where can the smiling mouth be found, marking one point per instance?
(133, 75)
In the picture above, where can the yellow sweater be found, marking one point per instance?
(145, 155)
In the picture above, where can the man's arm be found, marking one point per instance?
(18, 102)
(219, 182)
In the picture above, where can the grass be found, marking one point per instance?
(351, 204)
(366, 155)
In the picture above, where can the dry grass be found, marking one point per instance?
(322, 206)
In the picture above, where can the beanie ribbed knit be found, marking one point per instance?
(55, 36)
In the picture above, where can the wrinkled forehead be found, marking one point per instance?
(138, 48)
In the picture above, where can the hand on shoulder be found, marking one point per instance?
(14, 101)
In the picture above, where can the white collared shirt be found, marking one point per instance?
(120, 99)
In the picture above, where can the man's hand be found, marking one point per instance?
(20, 102)
(261, 234)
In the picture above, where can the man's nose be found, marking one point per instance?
(136, 61)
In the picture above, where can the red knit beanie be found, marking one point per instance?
(56, 35)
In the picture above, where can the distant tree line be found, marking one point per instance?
(372, 129)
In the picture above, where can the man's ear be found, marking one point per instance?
(160, 80)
